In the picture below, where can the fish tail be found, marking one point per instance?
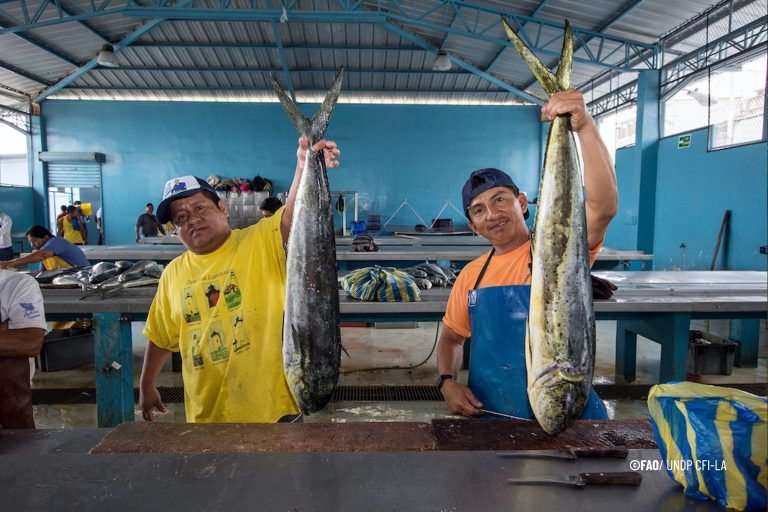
(300, 121)
(565, 67)
(545, 77)
(313, 129)
(323, 116)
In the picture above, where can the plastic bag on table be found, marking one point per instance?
(713, 441)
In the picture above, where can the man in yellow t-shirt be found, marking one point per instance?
(72, 227)
(220, 304)
(496, 210)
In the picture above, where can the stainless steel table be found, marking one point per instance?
(339, 481)
(392, 251)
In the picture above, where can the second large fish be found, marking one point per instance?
(560, 343)
(311, 337)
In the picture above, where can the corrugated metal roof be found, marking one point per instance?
(219, 58)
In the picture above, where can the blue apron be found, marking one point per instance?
(497, 373)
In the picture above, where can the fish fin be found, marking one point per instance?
(565, 67)
(544, 76)
(300, 121)
(323, 116)
(528, 352)
(345, 351)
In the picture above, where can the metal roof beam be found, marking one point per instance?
(496, 57)
(482, 74)
(26, 74)
(584, 41)
(276, 70)
(39, 44)
(473, 24)
(283, 60)
(85, 68)
(270, 46)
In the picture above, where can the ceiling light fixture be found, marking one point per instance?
(442, 62)
(107, 57)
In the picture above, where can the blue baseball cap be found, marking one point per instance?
(482, 180)
(177, 188)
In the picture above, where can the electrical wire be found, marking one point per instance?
(434, 345)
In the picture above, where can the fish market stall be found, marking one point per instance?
(355, 466)
(657, 305)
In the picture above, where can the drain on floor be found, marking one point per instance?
(363, 393)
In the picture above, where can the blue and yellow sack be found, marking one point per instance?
(397, 286)
(383, 284)
(713, 440)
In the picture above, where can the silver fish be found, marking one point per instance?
(560, 341)
(102, 266)
(136, 271)
(311, 336)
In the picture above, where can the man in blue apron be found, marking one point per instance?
(490, 298)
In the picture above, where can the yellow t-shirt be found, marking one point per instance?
(509, 269)
(70, 233)
(224, 312)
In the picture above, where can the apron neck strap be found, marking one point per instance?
(485, 266)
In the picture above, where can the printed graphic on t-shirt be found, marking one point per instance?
(212, 292)
(232, 295)
(30, 311)
(216, 345)
(197, 356)
(191, 310)
(240, 342)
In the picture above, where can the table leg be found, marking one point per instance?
(669, 330)
(626, 353)
(113, 357)
(746, 333)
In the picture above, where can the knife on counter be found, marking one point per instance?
(618, 452)
(583, 479)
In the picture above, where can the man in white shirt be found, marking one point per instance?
(6, 244)
(22, 329)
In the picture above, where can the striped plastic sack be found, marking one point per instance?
(363, 283)
(713, 441)
(397, 286)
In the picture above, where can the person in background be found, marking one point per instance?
(221, 305)
(269, 206)
(22, 329)
(100, 226)
(489, 300)
(72, 227)
(148, 223)
(82, 219)
(52, 251)
(6, 242)
(61, 215)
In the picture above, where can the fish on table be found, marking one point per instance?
(311, 335)
(560, 340)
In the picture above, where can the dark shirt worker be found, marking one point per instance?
(148, 224)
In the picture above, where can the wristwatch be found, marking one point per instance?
(441, 380)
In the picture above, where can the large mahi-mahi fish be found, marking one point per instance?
(560, 340)
(311, 337)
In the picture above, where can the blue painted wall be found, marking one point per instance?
(389, 153)
(694, 188)
(17, 202)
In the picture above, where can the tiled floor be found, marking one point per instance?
(374, 354)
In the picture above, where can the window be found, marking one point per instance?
(617, 128)
(737, 102)
(729, 98)
(14, 166)
(686, 109)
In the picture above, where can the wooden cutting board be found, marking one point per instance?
(143, 437)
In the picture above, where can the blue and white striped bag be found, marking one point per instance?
(382, 284)
(713, 440)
